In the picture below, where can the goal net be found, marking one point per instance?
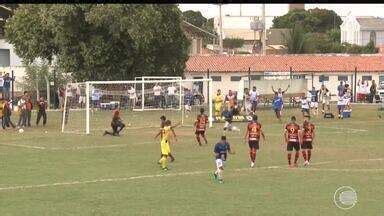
(89, 106)
(146, 90)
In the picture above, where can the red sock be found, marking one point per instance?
(309, 155)
(254, 156)
(198, 140)
(289, 158)
(304, 155)
(296, 156)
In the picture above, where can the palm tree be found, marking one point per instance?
(296, 39)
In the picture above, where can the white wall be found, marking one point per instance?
(15, 60)
(226, 84)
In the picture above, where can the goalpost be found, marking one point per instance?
(102, 97)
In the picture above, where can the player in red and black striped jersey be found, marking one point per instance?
(307, 136)
(292, 140)
(201, 126)
(252, 135)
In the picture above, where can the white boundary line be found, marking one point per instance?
(24, 187)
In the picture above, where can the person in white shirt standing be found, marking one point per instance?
(157, 93)
(305, 107)
(254, 97)
(171, 95)
(132, 97)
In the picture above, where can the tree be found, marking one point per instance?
(296, 40)
(195, 18)
(313, 20)
(102, 42)
(233, 43)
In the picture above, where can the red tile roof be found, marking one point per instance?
(299, 63)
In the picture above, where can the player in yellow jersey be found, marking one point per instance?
(165, 133)
(218, 100)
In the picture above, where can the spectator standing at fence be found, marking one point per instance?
(7, 112)
(42, 105)
(254, 98)
(314, 98)
(171, 90)
(131, 97)
(96, 96)
(340, 89)
(247, 102)
(29, 107)
(157, 93)
(22, 111)
(61, 93)
(372, 92)
(7, 86)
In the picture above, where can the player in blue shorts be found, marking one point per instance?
(277, 105)
(221, 149)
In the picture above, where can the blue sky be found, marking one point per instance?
(210, 10)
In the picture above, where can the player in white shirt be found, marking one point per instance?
(254, 98)
(157, 93)
(171, 90)
(305, 106)
(340, 106)
(132, 97)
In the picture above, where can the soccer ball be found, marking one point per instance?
(21, 130)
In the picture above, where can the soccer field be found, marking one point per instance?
(72, 174)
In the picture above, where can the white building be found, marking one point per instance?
(361, 30)
(227, 72)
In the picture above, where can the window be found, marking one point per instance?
(323, 78)
(255, 77)
(342, 78)
(4, 58)
(235, 78)
(381, 78)
(298, 77)
(365, 78)
(216, 78)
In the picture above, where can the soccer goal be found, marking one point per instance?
(89, 106)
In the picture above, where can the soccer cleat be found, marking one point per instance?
(306, 163)
(252, 164)
(221, 181)
(165, 169)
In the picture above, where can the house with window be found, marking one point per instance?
(195, 35)
(302, 71)
(362, 29)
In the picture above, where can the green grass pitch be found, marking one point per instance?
(58, 173)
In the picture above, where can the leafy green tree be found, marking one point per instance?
(102, 42)
(313, 20)
(195, 18)
(296, 40)
(233, 43)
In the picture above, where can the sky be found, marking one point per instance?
(211, 10)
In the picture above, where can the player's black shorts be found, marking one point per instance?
(202, 133)
(253, 144)
(307, 145)
(293, 145)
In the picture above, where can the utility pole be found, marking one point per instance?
(240, 9)
(264, 32)
(221, 30)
